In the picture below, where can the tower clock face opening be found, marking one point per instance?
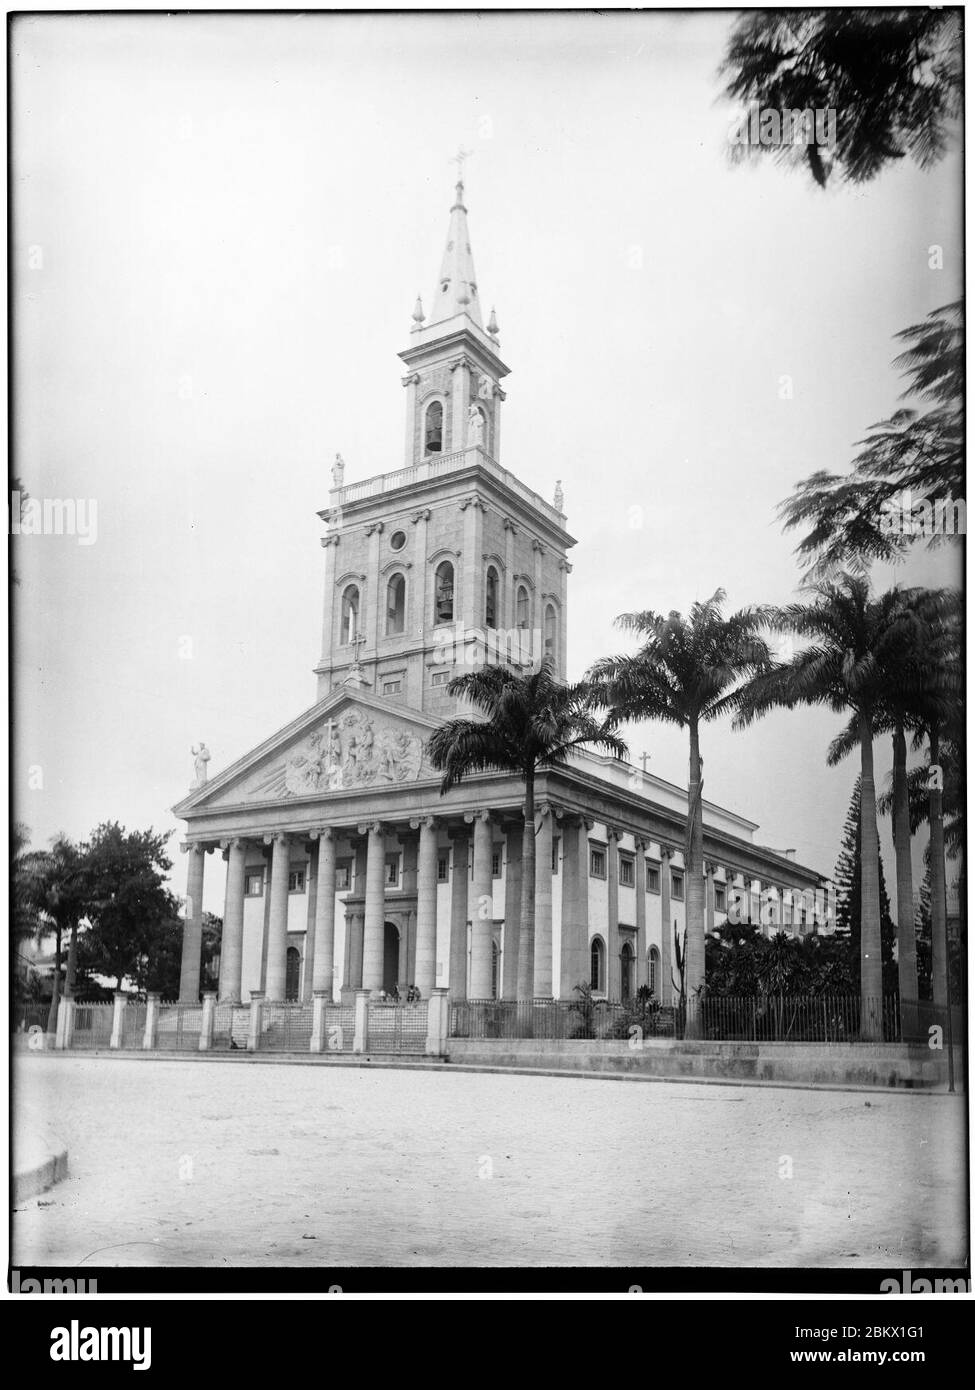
(397, 540)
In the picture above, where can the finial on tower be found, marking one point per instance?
(458, 159)
(418, 315)
(492, 327)
(559, 498)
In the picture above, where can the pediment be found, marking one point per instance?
(345, 743)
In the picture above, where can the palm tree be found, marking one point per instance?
(54, 887)
(688, 671)
(857, 641)
(530, 722)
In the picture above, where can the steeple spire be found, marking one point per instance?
(456, 291)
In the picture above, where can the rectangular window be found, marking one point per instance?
(653, 878)
(254, 884)
(597, 863)
(627, 871)
(392, 687)
(496, 863)
(392, 870)
(555, 856)
(343, 876)
(440, 678)
(296, 881)
(719, 898)
(443, 868)
(677, 885)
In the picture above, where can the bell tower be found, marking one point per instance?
(454, 370)
(448, 560)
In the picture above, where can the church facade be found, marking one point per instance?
(344, 866)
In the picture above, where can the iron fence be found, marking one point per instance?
(24, 1017)
(231, 1024)
(339, 1027)
(397, 1027)
(286, 1027)
(718, 1018)
(92, 1025)
(178, 1027)
(133, 1024)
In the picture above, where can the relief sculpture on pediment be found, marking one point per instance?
(354, 750)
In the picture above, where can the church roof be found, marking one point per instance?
(456, 291)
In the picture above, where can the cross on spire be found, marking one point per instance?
(458, 159)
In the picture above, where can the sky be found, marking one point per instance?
(221, 224)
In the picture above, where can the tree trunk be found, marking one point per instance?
(526, 936)
(694, 889)
(871, 964)
(69, 983)
(52, 1015)
(906, 938)
(939, 905)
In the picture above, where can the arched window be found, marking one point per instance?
(626, 971)
(521, 606)
(395, 604)
(443, 603)
(653, 956)
(350, 613)
(292, 973)
(596, 971)
(551, 628)
(433, 428)
(491, 598)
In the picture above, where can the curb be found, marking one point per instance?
(36, 1177)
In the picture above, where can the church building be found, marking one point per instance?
(345, 868)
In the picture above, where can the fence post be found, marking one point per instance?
(118, 1020)
(438, 1019)
(206, 1021)
(151, 1031)
(361, 1035)
(64, 1028)
(254, 1021)
(320, 997)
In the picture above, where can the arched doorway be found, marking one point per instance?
(292, 974)
(626, 971)
(390, 957)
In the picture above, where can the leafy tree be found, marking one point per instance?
(894, 76)
(53, 885)
(854, 642)
(157, 969)
(912, 458)
(530, 722)
(129, 902)
(689, 671)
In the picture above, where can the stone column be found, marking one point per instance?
(206, 1021)
(508, 609)
(118, 1020)
(150, 1034)
(375, 602)
(425, 977)
(458, 406)
(375, 911)
(512, 911)
(422, 605)
(254, 1020)
(324, 971)
(667, 962)
(612, 914)
(481, 908)
(189, 970)
(410, 850)
(438, 1023)
(64, 1029)
(330, 544)
(307, 977)
(321, 998)
(232, 940)
(640, 880)
(542, 984)
(277, 935)
(575, 907)
(411, 382)
(459, 880)
(472, 564)
(709, 868)
(360, 1036)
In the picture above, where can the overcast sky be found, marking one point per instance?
(234, 217)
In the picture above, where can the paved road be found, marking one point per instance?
(218, 1164)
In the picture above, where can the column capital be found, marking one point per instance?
(422, 515)
(233, 842)
(667, 851)
(322, 832)
(642, 843)
(613, 832)
(509, 525)
(372, 827)
(423, 822)
(472, 817)
(196, 847)
(277, 837)
(375, 527)
(710, 868)
(331, 539)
